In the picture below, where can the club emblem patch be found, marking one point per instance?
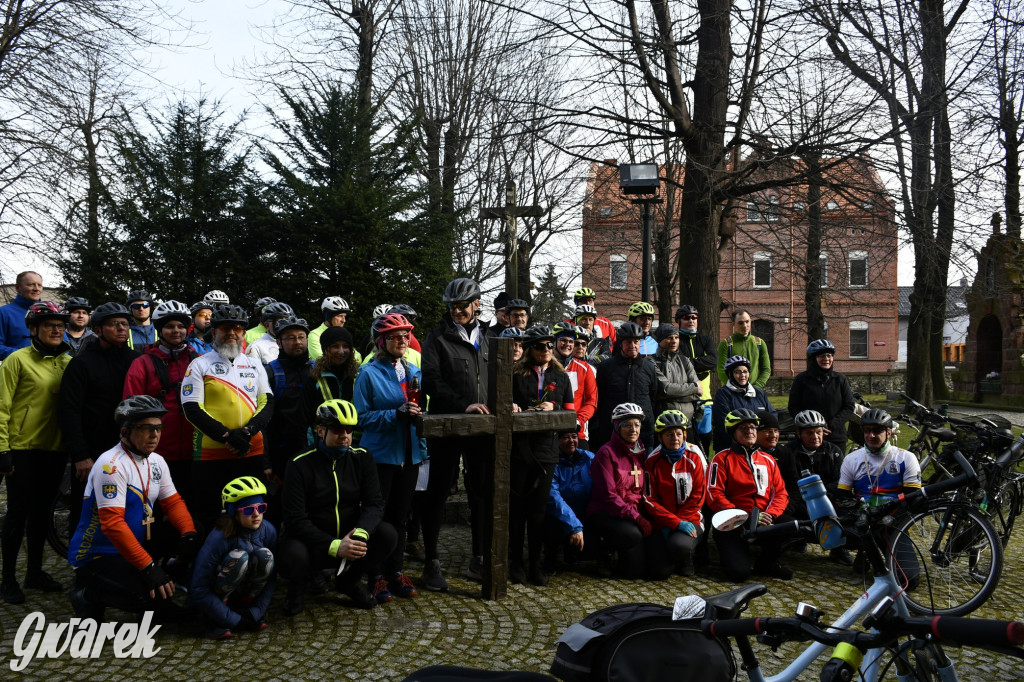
(109, 491)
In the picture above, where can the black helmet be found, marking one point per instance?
(517, 304)
(224, 313)
(404, 310)
(77, 303)
(140, 295)
(276, 310)
(629, 330)
(536, 334)
(201, 305)
(105, 311)
(461, 289)
(876, 417)
(264, 302)
(664, 331)
(290, 322)
(137, 407)
(685, 310)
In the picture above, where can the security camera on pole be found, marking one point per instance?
(642, 179)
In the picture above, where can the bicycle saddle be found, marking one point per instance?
(732, 603)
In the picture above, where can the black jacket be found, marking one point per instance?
(827, 392)
(620, 380)
(324, 498)
(540, 446)
(293, 414)
(701, 351)
(454, 371)
(826, 461)
(90, 390)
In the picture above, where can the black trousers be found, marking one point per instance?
(666, 550)
(209, 479)
(529, 487)
(625, 537)
(30, 490)
(477, 456)
(111, 581)
(734, 551)
(296, 562)
(397, 485)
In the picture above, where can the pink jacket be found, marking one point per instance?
(618, 480)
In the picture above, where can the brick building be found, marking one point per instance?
(764, 268)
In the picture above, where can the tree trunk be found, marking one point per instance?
(815, 233)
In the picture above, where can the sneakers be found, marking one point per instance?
(11, 592)
(775, 570)
(841, 555)
(433, 578)
(476, 568)
(537, 575)
(295, 600)
(380, 591)
(41, 580)
(215, 632)
(402, 587)
(361, 596)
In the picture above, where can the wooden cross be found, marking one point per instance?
(636, 473)
(147, 521)
(501, 424)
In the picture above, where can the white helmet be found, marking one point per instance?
(335, 304)
(626, 411)
(171, 310)
(382, 309)
(808, 419)
(216, 296)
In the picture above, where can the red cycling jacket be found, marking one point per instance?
(739, 478)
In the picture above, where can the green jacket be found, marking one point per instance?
(751, 347)
(29, 382)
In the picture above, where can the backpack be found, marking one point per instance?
(640, 642)
(164, 375)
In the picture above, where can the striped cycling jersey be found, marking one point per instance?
(231, 393)
(884, 474)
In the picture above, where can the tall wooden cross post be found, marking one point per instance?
(509, 212)
(502, 424)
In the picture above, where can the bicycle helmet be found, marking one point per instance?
(171, 310)
(387, 323)
(630, 330)
(626, 411)
(512, 333)
(264, 302)
(640, 308)
(407, 310)
(461, 289)
(46, 310)
(517, 304)
(276, 311)
(336, 413)
(381, 309)
(536, 334)
(582, 334)
(685, 310)
(201, 305)
(740, 416)
(335, 305)
(241, 488)
(105, 311)
(564, 329)
(137, 407)
(876, 417)
(290, 322)
(819, 346)
(670, 419)
(809, 419)
(583, 292)
(664, 331)
(139, 295)
(584, 311)
(734, 362)
(216, 296)
(225, 313)
(77, 303)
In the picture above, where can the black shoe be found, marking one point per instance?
(476, 568)
(686, 568)
(537, 576)
(317, 583)
(841, 555)
(295, 601)
(41, 580)
(360, 595)
(516, 574)
(775, 570)
(84, 607)
(11, 592)
(433, 577)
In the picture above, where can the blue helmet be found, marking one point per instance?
(819, 346)
(513, 333)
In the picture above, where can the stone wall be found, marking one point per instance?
(865, 383)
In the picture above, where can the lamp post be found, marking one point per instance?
(641, 180)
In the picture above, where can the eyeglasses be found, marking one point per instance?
(543, 345)
(339, 430)
(826, 355)
(747, 426)
(460, 305)
(140, 305)
(150, 428)
(292, 338)
(253, 509)
(52, 325)
(687, 317)
(117, 324)
(397, 337)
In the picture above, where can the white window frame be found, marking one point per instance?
(861, 330)
(616, 261)
(761, 257)
(857, 256)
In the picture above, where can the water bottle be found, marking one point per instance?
(821, 512)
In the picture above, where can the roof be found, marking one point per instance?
(956, 301)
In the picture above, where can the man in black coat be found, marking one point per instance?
(626, 377)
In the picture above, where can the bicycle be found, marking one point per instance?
(883, 606)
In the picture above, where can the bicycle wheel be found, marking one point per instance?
(951, 557)
(1004, 506)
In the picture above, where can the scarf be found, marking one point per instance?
(747, 390)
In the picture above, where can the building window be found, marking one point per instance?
(618, 271)
(753, 212)
(832, 205)
(772, 210)
(823, 265)
(762, 270)
(858, 339)
(605, 211)
(858, 268)
(868, 205)
(799, 207)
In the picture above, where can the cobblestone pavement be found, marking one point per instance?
(330, 640)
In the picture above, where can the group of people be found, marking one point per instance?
(281, 426)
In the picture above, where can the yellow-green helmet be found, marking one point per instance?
(241, 488)
(336, 413)
(583, 292)
(641, 308)
(670, 419)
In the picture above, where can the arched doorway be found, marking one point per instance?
(766, 330)
(989, 356)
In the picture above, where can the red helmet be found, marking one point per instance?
(390, 322)
(46, 310)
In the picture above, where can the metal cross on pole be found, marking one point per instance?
(509, 212)
(503, 425)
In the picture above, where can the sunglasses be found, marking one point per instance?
(687, 317)
(581, 343)
(253, 509)
(397, 337)
(543, 345)
(873, 430)
(140, 305)
(461, 305)
(338, 430)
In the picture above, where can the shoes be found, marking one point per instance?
(217, 633)
(604, 565)
(516, 574)
(841, 555)
(537, 575)
(361, 596)
(317, 583)
(414, 550)
(402, 587)
(261, 624)
(433, 578)
(295, 600)
(686, 568)
(476, 568)
(11, 592)
(41, 580)
(381, 593)
(775, 570)
(84, 607)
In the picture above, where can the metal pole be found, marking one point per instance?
(645, 295)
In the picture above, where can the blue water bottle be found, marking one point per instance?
(821, 512)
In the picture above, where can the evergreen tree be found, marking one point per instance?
(549, 304)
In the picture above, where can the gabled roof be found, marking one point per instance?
(956, 301)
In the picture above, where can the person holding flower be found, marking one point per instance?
(538, 383)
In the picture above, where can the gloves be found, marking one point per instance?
(645, 526)
(6, 462)
(403, 410)
(188, 548)
(239, 440)
(154, 577)
(686, 527)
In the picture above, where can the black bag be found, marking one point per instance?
(640, 642)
